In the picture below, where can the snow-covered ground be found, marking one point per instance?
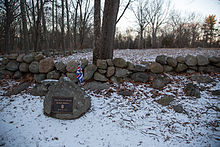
(115, 120)
(138, 55)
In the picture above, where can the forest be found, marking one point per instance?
(62, 25)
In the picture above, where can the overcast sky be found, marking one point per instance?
(202, 7)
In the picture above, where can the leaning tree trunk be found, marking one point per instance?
(108, 28)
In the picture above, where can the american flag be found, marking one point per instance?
(79, 73)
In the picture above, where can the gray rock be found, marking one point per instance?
(193, 68)
(204, 69)
(120, 73)
(53, 75)
(190, 71)
(162, 59)
(5, 61)
(24, 67)
(181, 67)
(84, 62)
(89, 71)
(202, 79)
(130, 66)
(109, 62)
(96, 86)
(119, 79)
(39, 77)
(119, 62)
(156, 68)
(20, 88)
(67, 89)
(42, 88)
(166, 100)
(140, 77)
(216, 69)
(139, 68)
(12, 65)
(46, 65)
(17, 75)
(110, 71)
(178, 109)
(217, 64)
(180, 59)
(191, 60)
(4, 72)
(167, 68)
(20, 58)
(2, 66)
(71, 66)
(216, 92)
(101, 64)
(34, 67)
(214, 59)
(159, 82)
(39, 57)
(202, 60)
(125, 92)
(171, 61)
(72, 76)
(192, 90)
(12, 56)
(100, 77)
(60, 66)
(146, 64)
(29, 58)
(102, 71)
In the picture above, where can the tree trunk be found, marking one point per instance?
(38, 27)
(75, 25)
(34, 25)
(45, 39)
(108, 28)
(154, 38)
(97, 31)
(53, 26)
(8, 27)
(62, 28)
(24, 24)
(57, 42)
(68, 26)
(140, 44)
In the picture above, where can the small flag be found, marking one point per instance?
(79, 73)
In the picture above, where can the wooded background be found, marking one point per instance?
(61, 25)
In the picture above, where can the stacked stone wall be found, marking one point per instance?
(115, 70)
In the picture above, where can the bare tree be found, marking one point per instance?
(85, 12)
(141, 19)
(157, 12)
(9, 16)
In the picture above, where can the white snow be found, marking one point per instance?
(138, 55)
(115, 120)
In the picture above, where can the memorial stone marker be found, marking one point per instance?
(66, 100)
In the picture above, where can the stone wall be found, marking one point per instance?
(115, 70)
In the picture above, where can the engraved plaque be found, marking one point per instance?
(62, 105)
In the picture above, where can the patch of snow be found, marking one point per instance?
(149, 55)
